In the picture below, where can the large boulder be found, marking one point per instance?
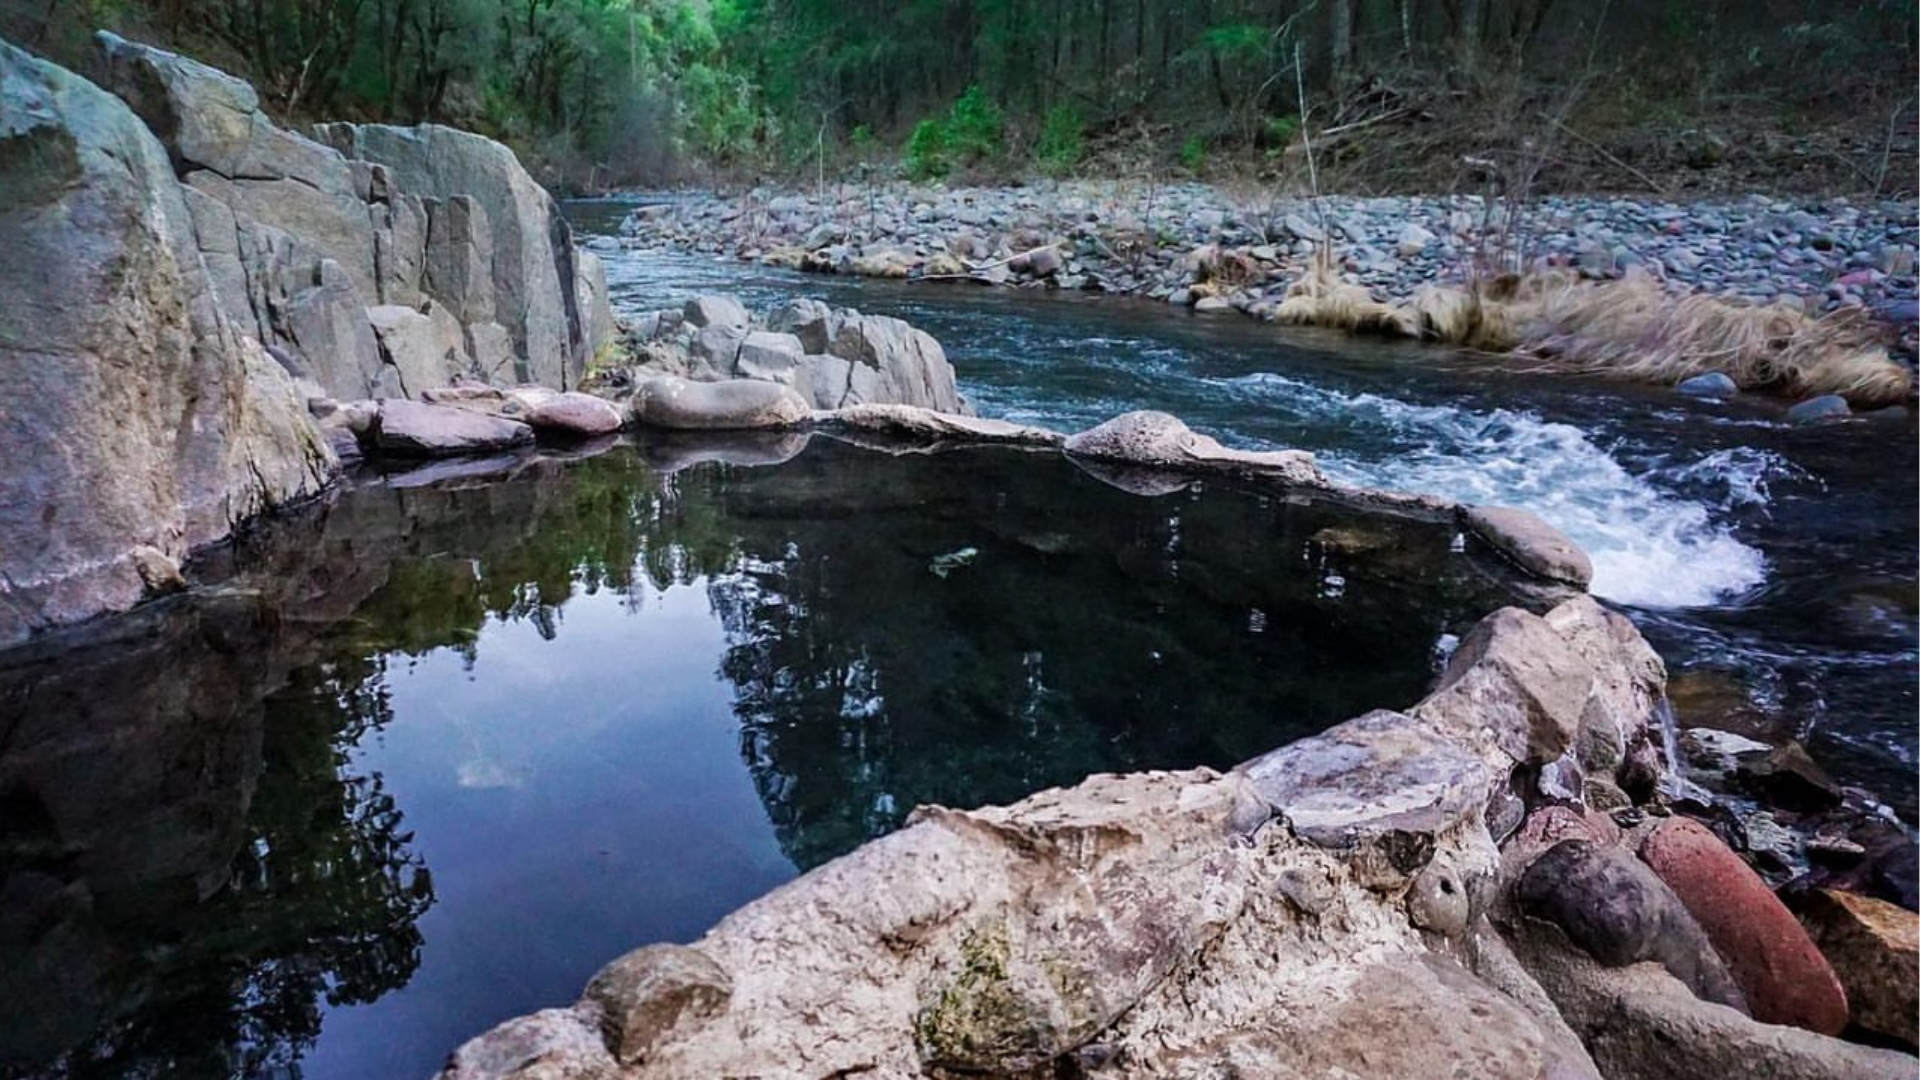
(535, 293)
(137, 422)
(856, 359)
(1161, 440)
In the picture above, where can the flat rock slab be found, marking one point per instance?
(733, 404)
(1379, 789)
(420, 428)
(1783, 975)
(1536, 546)
(911, 420)
(1161, 439)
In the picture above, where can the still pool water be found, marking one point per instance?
(424, 759)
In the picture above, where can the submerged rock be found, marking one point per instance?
(1713, 384)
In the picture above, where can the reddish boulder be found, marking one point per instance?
(1785, 978)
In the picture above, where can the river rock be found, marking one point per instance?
(572, 413)
(1611, 905)
(1713, 384)
(771, 356)
(1786, 777)
(138, 416)
(1537, 546)
(670, 402)
(914, 422)
(1874, 947)
(429, 430)
(1782, 974)
(1640, 1023)
(1517, 680)
(1820, 409)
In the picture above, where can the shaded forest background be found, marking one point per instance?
(1664, 95)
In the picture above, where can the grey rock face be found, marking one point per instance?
(674, 403)
(136, 415)
(722, 311)
(460, 257)
(414, 347)
(533, 265)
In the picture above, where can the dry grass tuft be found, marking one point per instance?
(1319, 298)
(1631, 328)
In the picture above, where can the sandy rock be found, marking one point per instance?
(669, 402)
(1532, 543)
(553, 1044)
(1784, 977)
(572, 413)
(1640, 1023)
(650, 992)
(1380, 789)
(413, 346)
(423, 429)
(1159, 439)
(1517, 681)
(1874, 947)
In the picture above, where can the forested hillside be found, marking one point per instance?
(1401, 93)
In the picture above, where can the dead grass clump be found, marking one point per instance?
(1224, 269)
(1631, 328)
(1319, 298)
(1634, 328)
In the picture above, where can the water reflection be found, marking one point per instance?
(540, 679)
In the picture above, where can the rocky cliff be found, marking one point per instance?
(184, 276)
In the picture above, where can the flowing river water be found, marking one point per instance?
(1773, 566)
(424, 758)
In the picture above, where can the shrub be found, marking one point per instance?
(975, 126)
(927, 150)
(1193, 153)
(1060, 147)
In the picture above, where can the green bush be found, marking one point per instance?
(1193, 153)
(975, 126)
(1060, 147)
(927, 151)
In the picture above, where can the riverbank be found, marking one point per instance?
(1835, 265)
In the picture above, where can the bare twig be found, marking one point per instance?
(1652, 184)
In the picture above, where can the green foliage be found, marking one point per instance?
(1060, 147)
(1243, 41)
(972, 131)
(1193, 153)
(862, 142)
(975, 126)
(927, 151)
(1282, 129)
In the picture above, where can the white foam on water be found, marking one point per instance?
(1649, 548)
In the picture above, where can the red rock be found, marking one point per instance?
(1785, 978)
